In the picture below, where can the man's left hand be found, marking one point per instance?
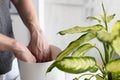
(39, 46)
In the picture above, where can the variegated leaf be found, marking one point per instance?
(113, 66)
(116, 29)
(116, 45)
(78, 29)
(76, 64)
(105, 36)
(110, 17)
(98, 77)
(82, 50)
(115, 76)
(97, 18)
(72, 46)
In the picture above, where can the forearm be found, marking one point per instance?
(6, 43)
(27, 13)
(19, 50)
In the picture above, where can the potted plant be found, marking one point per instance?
(73, 59)
(37, 71)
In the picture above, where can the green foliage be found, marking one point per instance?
(110, 17)
(82, 50)
(105, 36)
(113, 66)
(98, 77)
(72, 46)
(87, 79)
(75, 44)
(96, 18)
(73, 60)
(116, 28)
(76, 64)
(116, 76)
(75, 79)
(78, 29)
(116, 45)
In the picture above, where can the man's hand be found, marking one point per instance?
(39, 46)
(23, 53)
(19, 50)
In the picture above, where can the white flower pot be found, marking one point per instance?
(37, 71)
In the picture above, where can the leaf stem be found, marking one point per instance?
(106, 53)
(111, 53)
(106, 46)
(91, 77)
(101, 69)
(100, 55)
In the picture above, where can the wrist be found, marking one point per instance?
(34, 28)
(15, 46)
(36, 32)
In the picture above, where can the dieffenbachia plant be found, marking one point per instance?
(78, 63)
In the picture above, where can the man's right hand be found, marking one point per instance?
(19, 50)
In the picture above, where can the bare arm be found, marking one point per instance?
(38, 44)
(27, 13)
(19, 50)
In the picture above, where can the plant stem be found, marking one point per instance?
(106, 46)
(106, 53)
(91, 77)
(101, 70)
(112, 52)
(100, 55)
(109, 76)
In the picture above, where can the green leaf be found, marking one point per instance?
(86, 79)
(75, 44)
(116, 45)
(76, 64)
(71, 47)
(116, 76)
(113, 66)
(82, 50)
(104, 11)
(97, 18)
(111, 17)
(98, 77)
(50, 67)
(75, 79)
(104, 36)
(78, 29)
(116, 28)
(94, 69)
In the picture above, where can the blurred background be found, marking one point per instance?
(56, 15)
